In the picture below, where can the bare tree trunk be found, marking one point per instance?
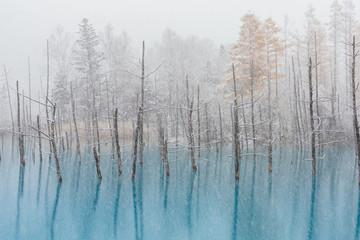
(8, 92)
(30, 118)
(166, 158)
(160, 135)
(207, 127)
(296, 100)
(47, 93)
(75, 125)
(245, 127)
(191, 137)
(253, 110)
(20, 132)
(236, 133)
(221, 128)
(317, 94)
(97, 132)
(136, 134)
(198, 121)
(67, 141)
(97, 163)
(312, 121)
(141, 124)
(118, 153)
(39, 137)
(354, 107)
(54, 144)
(109, 120)
(269, 117)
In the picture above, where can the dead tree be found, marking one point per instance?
(354, 107)
(47, 93)
(75, 125)
(221, 129)
(236, 129)
(270, 118)
(190, 134)
(136, 134)
(97, 163)
(9, 98)
(109, 120)
(20, 132)
(141, 123)
(296, 104)
(198, 120)
(116, 132)
(39, 136)
(97, 131)
(207, 127)
(191, 137)
(30, 118)
(166, 158)
(312, 128)
(245, 127)
(53, 143)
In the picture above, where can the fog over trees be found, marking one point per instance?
(273, 86)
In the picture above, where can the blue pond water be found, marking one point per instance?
(208, 204)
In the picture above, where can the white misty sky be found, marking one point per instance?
(26, 24)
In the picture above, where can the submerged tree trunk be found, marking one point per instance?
(54, 144)
(313, 157)
(75, 125)
(190, 129)
(136, 134)
(141, 123)
(20, 132)
(191, 137)
(270, 118)
(166, 158)
(39, 137)
(198, 120)
(236, 129)
(118, 153)
(354, 107)
(97, 163)
(207, 127)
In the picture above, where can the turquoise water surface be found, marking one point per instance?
(207, 204)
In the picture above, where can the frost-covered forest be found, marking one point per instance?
(273, 86)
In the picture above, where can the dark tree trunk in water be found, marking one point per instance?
(207, 127)
(97, 163)
(236, 129)
(141, 123)
(166, 158)
(54, 144)
(118, 152)
(190, 133)
(312, 121)
(354, 107)
(198, 121)
(191, 137)
(39, 136)
(75, 124)
(136, 134)
(21, 135)
(221, 129)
